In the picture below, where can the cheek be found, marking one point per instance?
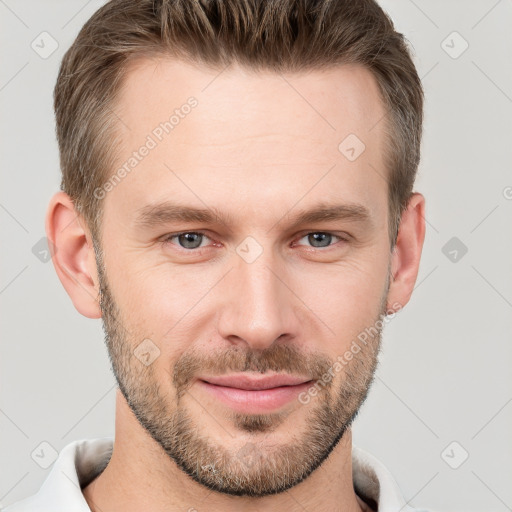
(161, 302)
(172, 304)
(347, 299)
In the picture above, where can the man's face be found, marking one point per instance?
(249, 292)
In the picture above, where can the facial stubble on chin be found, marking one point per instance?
(256, 468)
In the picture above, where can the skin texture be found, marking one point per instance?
(256, 149)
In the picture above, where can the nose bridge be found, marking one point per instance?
(257, 308)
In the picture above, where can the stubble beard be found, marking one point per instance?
(258, 467)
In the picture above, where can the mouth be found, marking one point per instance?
(254, 393)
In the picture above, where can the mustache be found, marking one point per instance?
(277, 358)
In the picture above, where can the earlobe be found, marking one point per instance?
(405, 259)
(73, 254)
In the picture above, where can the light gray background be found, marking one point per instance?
(445, 367)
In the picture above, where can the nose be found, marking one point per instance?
(258, 307)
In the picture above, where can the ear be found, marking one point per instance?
(405, 260)
(72, 252)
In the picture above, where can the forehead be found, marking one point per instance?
(253, 137)
(332, 100)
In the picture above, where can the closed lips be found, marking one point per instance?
(255, 383)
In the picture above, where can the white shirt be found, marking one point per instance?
(81, 461)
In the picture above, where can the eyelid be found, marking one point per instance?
(340, 234)
(343, 237)
(167, 238)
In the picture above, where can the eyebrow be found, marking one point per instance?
(167, 212)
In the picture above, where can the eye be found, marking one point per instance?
(320, 239)
(194, 240)
(187, 240)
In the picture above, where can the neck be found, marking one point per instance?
(140, 476)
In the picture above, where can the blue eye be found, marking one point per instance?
(320, 239)
(194, 240)
(188, 240)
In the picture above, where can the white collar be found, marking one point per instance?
(81, 461)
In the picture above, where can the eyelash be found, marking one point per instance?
(168, 238)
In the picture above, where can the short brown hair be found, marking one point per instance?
(276, 35)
